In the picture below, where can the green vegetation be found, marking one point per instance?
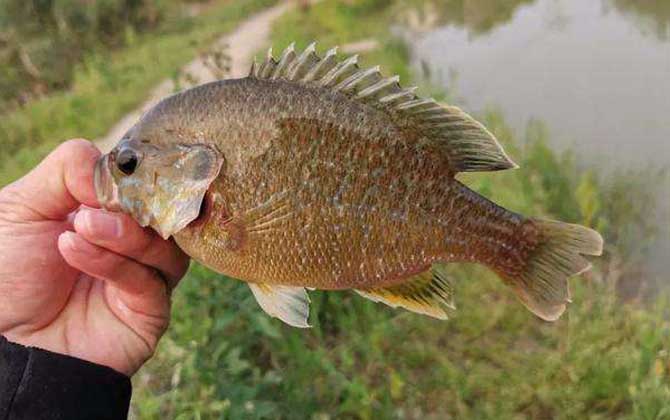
(42, 41)
(107, 85)
(224, 358)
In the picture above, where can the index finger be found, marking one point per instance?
(120, 234)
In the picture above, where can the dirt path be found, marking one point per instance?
(246, 39)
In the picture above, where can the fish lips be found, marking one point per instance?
(106, 189)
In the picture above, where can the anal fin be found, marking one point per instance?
(288, 303)
(426, 293)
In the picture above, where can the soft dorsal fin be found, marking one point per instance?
(469, 146)
(426, 293)
(288, 303)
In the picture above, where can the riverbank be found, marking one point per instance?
(108, 86)
(224, 358)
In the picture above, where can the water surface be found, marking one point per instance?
(597, 72)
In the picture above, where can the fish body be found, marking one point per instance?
(339, 199)
(313, 173)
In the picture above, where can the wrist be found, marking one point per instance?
(54, 342)
(38, 383)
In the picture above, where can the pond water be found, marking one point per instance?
(597, 72)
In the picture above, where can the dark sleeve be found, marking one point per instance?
(37, 384)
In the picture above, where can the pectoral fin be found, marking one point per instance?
(269, 216)
(290, 304)
(426, 293)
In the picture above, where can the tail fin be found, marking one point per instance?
(543, 284)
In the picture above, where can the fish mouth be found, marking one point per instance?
(105, 188)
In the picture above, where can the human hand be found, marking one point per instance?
(78, 280)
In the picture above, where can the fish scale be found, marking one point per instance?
(314, 173)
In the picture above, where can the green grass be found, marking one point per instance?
(224, 358)
(107, 86)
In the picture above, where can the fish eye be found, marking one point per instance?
(127, 161)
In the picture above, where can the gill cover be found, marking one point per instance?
(165, 190)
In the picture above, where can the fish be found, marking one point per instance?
(315, 173)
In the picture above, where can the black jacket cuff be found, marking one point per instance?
(38, 384)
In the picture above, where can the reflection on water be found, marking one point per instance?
(583, 67)
(477, 16)
(651, 16)
(597, 72)
(481, 16)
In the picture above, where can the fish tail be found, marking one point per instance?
(541, 283)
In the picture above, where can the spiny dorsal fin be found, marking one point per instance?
(426, 293)
(469, 146)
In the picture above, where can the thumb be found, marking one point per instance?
(60, 183)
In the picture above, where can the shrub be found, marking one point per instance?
(41, 41)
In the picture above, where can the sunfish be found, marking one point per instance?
(313, 173)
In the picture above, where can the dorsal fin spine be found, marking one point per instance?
(284, 61)
(266, 69)
(350, 82)
(378, 87)
(430, 105)
(415, 103)
(437, 117)
(323, 66)
(302, 64)
(254, 67)
(342, 69)
(395, 97)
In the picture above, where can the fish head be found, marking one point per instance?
(161, 185)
